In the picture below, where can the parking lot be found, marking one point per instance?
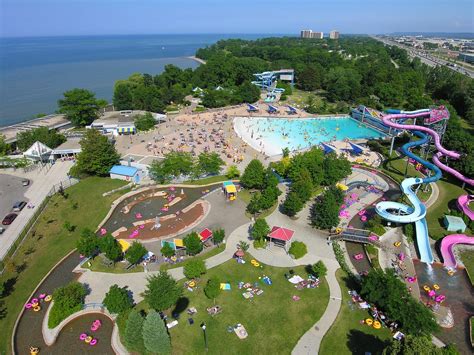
(11, 191)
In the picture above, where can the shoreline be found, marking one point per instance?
(196, 59)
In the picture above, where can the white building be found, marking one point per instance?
(334, 34)
(317, 35)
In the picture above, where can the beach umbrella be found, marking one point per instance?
(240, 253)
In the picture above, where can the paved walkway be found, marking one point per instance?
(42, 181)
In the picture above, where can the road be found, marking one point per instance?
(42, 181)
(425, 58)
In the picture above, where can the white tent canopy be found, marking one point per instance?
(38, 151)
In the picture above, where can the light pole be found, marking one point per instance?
(203, 327)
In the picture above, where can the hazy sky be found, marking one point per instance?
(76, 17)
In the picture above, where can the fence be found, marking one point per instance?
(11, 252)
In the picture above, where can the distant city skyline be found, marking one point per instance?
(104, 17)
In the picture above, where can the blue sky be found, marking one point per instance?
(89, 17)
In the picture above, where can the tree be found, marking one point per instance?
(67, 300)
(292, 204)
(325, 212)
(194, 268)
(118, 299)
(310, 77)
(303, 185)
(135, 253)
(155, 334)
(254, 175)
(111, 248)
(133, 331)
(174, 164)
(123, 99)
(232, 172)
(218, 236)
(50, 138)
(260, 229)
(243, 245)
(80, 106)
(417, 345)
(286, 152)
(193, 244)
(88, 243)
(319, 269)
(145, 122)
(162, 291)
(97, 155)
(390, 294)
(167, 250)
(210, 163)
(335, 168)
(248, 92)
(4, 146)
(212, 288)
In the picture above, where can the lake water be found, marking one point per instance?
(34, 72)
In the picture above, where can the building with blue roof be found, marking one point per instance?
(127, 173)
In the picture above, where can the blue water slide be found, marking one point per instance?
(400, 213)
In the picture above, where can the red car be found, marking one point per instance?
(9, 218)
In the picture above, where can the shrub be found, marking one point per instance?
(194, 268)
(135, 253)
(155, 334)
(243, 245)
(117, 299)
(340, 258)
(212, 288)
(409, 231)
(133, 331)
(259, 244)
(193, 244)
(67, 300)
(298, 250)
(162, 291)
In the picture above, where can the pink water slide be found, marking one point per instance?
(463, 204)
(390, 120)
(447, 244)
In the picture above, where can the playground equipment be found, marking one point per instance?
(267, 80)
(400, 213)
(230, 190)
(447, 245)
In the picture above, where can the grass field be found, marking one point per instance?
(49, 242)
(347, 335)
(98, 265)
(449, 191)
(202, 256)
(273, 320)
(206, 181)
(467, 258)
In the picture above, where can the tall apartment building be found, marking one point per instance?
(334, 34)
(306, 33)
(318, 35)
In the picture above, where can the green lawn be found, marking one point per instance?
(49, 242)
(449, 191)
(395, 168)
(273, 320)
(208, 180)
(467, 258)
(203, 256)
(98, 264)
(347, 335)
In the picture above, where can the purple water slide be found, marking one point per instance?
(388, 120)
(447, 244)
(463, 203)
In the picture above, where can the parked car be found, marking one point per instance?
(2, 230)
(17, 207)
(25, 182)
(9, 218)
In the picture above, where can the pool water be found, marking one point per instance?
(274, 134)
